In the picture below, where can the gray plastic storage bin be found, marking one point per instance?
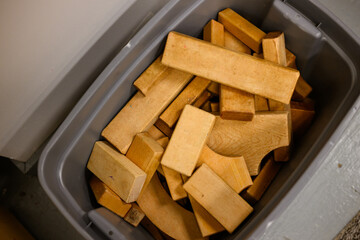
(327, 54)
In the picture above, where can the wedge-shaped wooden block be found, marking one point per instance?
(146, 153)
(250, 139)
(208, 224)
(242, 29)
(135, 215)
(204, 97)
(212, 193)
(167, 215)
(150, 76)
(232, 170)
(302, 114)
(261, 104)
(214, 32)
(155, 133)
(188, 96)
(142, 111)
(274, 48)
(117, 171)
(188, 139)
(175, 183)
(236, 104)
(234, 44)
(262, 181)
(257, 76)
(108, 198)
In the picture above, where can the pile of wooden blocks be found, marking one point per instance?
(189, 146)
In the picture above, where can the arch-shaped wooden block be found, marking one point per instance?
(232, 170)
(167, 215)
(250, 139)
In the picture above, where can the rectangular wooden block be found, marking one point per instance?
(188, 139)
(262, 181)
(234, 44)
(146, 153)
(150, 76)
(204, 97)
(236, 104)
(302, 89)
(108, 198)
(142, 111)
(208, 224)
(155, 133)
(117, 171)
(135, 215)
(175, 183)
(214, 88)
(261, 104)
(242, 29)
(188, 96)
(215, 107)
(257, 76)
(212, 193)
(164, 128)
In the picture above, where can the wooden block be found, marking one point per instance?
(208, 224)
(262, 181)
(250, 139)
(152, 229)
(150, 76)
(274, 48)
(258, 55)
(236, 104)
(290, 59)
(302, 89)
(207, 106)
(163, 142)
(204, 97)
(146, 153)
(11, 228)
(108, 198)
(257, 76)
(160, 170)
(282, 154)
(188, 139)
(167, 215)
(141, 112)
(117, 171)
(155, 133)
(164, 128)
(214, 107)
(232, 170)
(242, 29)
(188, 96)
(212, 193)
(261, 104)
(214, 88)
(175, 183)
(135, 215)
(234, 44)
(214, 32)
(302, 115)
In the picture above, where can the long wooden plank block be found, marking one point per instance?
(250, 139)
(117, 171)
(232, 170)
(242, 29)
(167, 215)
(141, 112)
(224, 66)
(164, 128)
(188, 139)
(234, 44)
(220, 200)
(204, 97)
(188, 96)
(262, 181)
(135, 215)
(108, 198)
(150, 76)
(146, 153)
(208, 224)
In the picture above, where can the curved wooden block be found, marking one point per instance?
(250, 139)
(166, 214)
(232, 170)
